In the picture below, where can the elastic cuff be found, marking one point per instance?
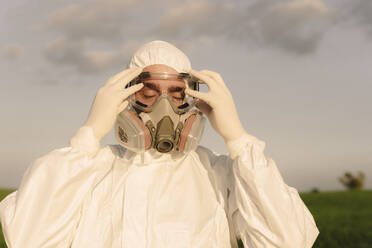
(84, 140)
(236, 147)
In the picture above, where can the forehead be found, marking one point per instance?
(159, 68)
(165, 83)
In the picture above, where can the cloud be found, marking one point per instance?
(85, 25)
(64, 51)
(12, 51)
(195, 18)
(84, 28)
(360, 13)
(293, 26)
(96, 19)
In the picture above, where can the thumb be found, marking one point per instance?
(122, 106)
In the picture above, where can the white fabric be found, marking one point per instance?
(235, 147)
(160, 52)
(71, 198)
(84, 140)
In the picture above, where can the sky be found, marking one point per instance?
(299, 71)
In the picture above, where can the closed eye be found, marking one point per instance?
(149, 96)
(178, 98)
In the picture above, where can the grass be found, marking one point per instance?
(344, 219)
(3, 193)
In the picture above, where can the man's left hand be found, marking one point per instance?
(218, 105)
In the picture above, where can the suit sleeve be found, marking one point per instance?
(263, 210)
(46, 208)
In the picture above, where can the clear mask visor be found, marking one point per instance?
(159, 85)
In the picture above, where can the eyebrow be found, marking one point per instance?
(176, 89)
(171, 89)
(151, 86)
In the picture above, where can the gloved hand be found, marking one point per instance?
(218, 105)
(110, 100)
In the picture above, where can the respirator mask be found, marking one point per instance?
(161, 119)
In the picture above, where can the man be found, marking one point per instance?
(157, 187)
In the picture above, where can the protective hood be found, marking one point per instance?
(160, 52)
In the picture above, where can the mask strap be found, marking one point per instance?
(186, 130)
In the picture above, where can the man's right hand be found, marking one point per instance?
(110, 100)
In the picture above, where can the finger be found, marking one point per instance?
(211, 78)
(215, 76)
(208, 80)
(200, 95)
(204, 107)
(113, 79)
(218, 79)
(212, 74)
(124, 80)
(122, 106)
(131, 90)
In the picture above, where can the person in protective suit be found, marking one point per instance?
(158, 187)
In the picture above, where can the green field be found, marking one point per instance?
(3, 193)
(344, 219)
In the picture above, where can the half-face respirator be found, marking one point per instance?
(160, 115)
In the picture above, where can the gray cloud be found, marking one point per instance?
(87, 28)
(83, 27)
(12, 51)
(360, 12)
(97, 19)
(65, 51)
(195, 18)
(293, 26)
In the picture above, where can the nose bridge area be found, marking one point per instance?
(163, 102)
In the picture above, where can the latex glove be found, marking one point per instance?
(110, 100)
(218, 105)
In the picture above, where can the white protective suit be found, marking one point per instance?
(84, 195)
